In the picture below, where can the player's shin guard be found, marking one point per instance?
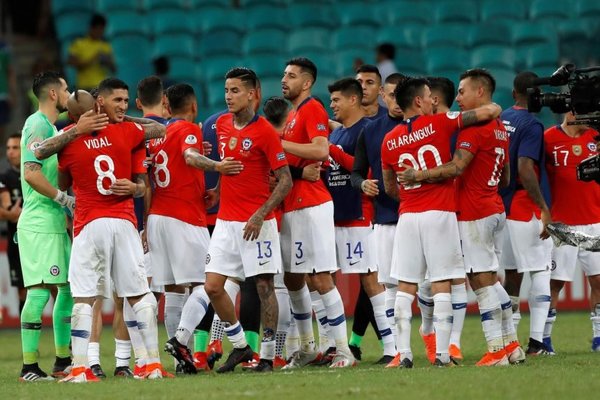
(267, 345)
(81, 327)
(93, 353)
(292, 341)
(403, 316)
(509, 333)
(31, 323)
(173, 309)
(145, 312)
(302, 313)
(193, 311)
(425, 301)
(539, 303)
(442, 323)
(459, 310)
(283, 320)
(383, 325)
(137, 342)
(337, 320)
(323, 323)
(61, 321)
(122, 353)
(491, 317)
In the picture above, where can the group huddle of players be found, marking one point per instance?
(407, 196)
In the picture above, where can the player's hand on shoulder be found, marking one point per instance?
(229, 166)
(90, 121)
(312, 172)
(253, 227)
(369, 187)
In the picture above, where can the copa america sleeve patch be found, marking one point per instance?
(191, 139)
(465, 145)
(321, 127)
(280, 156)
(452, 114)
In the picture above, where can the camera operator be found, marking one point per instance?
(577, 204)
(525, 248)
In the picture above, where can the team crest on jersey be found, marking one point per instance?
(191, 139)
(232, 143)
(208, 259)
(452, 114)
(54, 270)
(592, 146)
(280, 156)
(577, 150)
(246, 144)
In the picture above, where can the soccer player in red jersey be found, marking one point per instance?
(307, 229)
(480, 162)
(427, 238)
(245, 241)
(99, 166)
(577, 204)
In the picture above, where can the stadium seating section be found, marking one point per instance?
(204, 38)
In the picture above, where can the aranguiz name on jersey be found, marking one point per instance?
(411, 137)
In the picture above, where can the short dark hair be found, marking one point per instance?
(481, 75)
(246, 75)
(16, 135)
(406, 91)
(150, 91)
(523, 81)
(97, 20)
(179, 96)
(305, 65)
(276, 109)
(94, 92)
(348, 87)
(161, 65)
(388, 50)
(369, 68)
(110, 84)
(395, 79)
(44, 79)
(444, 85)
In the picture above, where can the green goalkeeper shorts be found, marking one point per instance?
(44, 257)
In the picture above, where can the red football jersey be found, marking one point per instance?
(422, 142)
(258, 147)
(477, 188)
(95, 162)
(573, 202)
(178, 188)
(308, 121)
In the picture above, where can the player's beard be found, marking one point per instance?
(60, 108)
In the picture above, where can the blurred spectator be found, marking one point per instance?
(161, 69)
(8, 86)
(384, 56)
(92, 55)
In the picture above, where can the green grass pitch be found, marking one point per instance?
(573, 373)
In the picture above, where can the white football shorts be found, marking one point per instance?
(565, 257)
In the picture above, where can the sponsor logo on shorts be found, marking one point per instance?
(354, 262)
(246, 144)
(452, 114)
(592, 146)
(300, 262)
(280, 156)
(261, 263)
(553, 265)
(191, 139)
(207, 258)
(54, 270)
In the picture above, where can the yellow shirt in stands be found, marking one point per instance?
(86, 49)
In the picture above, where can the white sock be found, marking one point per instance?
(93, 353)
(403, 315)
(267, 348)
(425, 301)
(81, 328)
(173, 306)
(595, 318)
(137, 343)
(283, 320)
(390, 302)
(193, 311)
(122, 352)
(550, 319)
(442, 323)
(302, 313)
(491, 317)
(323, 324)
(459, 310)
(515, 302)
(539, 303)
(292, 342)
(509, 334)
(235, 334)
(383, 325)
(337, 320)
(145, 313)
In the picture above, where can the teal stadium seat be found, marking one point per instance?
(308, 39)
(446, 58)
(107, 7)
(503, 97)
(152, 5)
(574, 41)
(493, 56)
(445, 35)
(270, 87)
(184, 70)
(542, 56)
(61, 7)
(132, 49)
(326, 64)
(171, 21)
(588, 8)
(400, 13)
(264, 41)
(357, 13)
(316, 15)
(528, 33)
(345, 60)
(267, 65)
(199, 4)
(489, 33)
(267, 17)
(215, 68)
(320, 88)
(497, 11)
(407, 36)
(551, 11)
(353, 37)
(410, 61)
(215, 19)
(504, 77)
(258, 3)
(132, 73)
(457, 11)
(72, 25)
(175, 45)
(215, 95)
(219, 43)
(127, 23)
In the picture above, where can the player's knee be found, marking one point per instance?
(213, 289)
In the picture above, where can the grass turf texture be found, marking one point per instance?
(573, 373)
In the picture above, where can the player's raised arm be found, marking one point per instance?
(317, 149)
(152, 129)
(484, 113)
